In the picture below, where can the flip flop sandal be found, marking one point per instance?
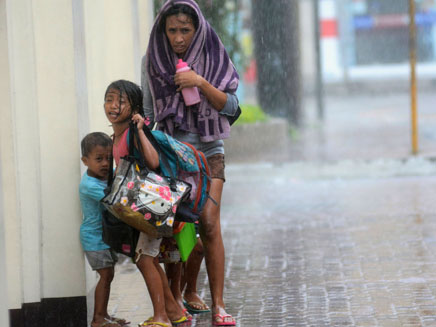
(153, 323)
(187, 314)
(191, 307)
(120, 321)
(108, 323)
(225, 320)
(179, 321)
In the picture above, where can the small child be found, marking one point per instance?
(123, 104)
(96, 155)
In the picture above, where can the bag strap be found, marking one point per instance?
(154, 143)
(110, 175)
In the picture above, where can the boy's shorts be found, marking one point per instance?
(101, 259)
(148, 246)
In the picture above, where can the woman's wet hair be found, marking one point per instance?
(131, 90)
(92, 140)
(177, 9)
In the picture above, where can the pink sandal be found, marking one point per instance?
(223, 320)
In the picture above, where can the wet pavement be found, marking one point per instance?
(343, 239)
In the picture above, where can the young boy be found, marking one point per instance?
(96, 155)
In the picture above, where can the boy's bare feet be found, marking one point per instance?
(120, 321)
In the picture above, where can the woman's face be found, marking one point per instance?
(180, 30)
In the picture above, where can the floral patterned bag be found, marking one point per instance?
(143, 199)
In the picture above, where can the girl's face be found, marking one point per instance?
(180, 31)
(116, 107)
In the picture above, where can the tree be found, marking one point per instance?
(276, 43)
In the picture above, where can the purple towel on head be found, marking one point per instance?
(208, 58)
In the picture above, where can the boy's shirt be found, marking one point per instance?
(91, 191)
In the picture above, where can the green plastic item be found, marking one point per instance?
(186, 240)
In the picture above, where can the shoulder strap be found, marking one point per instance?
(153, 141)
(110, 175)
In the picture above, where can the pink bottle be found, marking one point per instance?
(191, 94)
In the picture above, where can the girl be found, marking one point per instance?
(123, 104)
(180, 31)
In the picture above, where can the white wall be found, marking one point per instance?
(56, 59)
(4, 93)
(62, 261)
(12, 224)
(116, 39)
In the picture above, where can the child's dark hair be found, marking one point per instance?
(176, 9)
(92, 140)
(131, 90)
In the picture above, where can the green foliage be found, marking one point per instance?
(223, 17)
(251, 114)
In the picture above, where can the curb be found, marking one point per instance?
(258, 142)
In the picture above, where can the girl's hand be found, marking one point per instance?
(187, 79)
(139, 121)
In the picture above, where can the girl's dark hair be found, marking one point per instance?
(175, 10)
(131, 90)
(92, 140)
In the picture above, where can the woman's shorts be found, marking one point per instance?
(101, 259)
(216, 166)
(148, 246)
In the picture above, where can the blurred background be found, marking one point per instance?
(332, 70)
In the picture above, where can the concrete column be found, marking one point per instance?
(11, 221)
(62, 259)
(330, 40)
(308, 66)
(4, 315)
(25, 124)
(4, 93)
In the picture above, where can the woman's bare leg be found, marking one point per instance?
(210, 231)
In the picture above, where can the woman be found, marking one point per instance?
(180, 31)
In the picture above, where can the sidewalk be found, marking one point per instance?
(365, 125)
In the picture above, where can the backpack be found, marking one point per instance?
(183, 161)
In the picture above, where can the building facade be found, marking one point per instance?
(57, 57)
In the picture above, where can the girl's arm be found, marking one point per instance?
(151, 156)
(215, 97)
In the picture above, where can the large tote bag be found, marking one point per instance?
(122, 238)
(144, 199)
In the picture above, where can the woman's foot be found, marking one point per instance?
(223, 320)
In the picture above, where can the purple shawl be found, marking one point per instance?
(207, 57)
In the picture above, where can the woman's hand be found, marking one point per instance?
(187, 79)
(215, 97)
